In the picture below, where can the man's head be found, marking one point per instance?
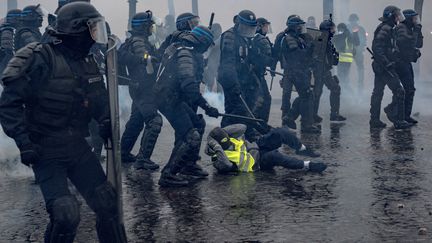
(311, 22)
(329, 26)
(392, 15)
(13, 17)
(245, 23)
(263, 26)
(296, 24)
(143, 23)
(411, 17)
(61, 3)
(342, 28)
(201, 38)
(221, 137)
(353, 18)
(33, 15)
(187, 21)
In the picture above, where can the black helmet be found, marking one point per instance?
(200, 37)
(61, 3)
(290, 17)
(327, 25)
(245, 23)
(187, 21)
(411, 16)
(76, 18)
(143, 21)
(13, 17)
(392, 13)
(297, 25)
(261, 23)
(353, 18)
(222, 137)
(33, 15)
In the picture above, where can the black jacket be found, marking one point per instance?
(409, 39)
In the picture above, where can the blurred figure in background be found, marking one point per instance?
(311, 23)
(355, 27)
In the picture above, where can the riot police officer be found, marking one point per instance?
(262, 57)
(7, 35)
(323, 76)
(240, 84)
(139, 55)
(384, 66)
(297, 50)
(31, 19)
(409, 40)
(177, 89)
(51, 92)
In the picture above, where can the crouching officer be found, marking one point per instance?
(231, 152)
(177, 89)
(139, 56)
(51, 93)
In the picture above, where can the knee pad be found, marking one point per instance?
(65, 216)
(155, 124)
(105, 201)
(193, 138)
(400, 93)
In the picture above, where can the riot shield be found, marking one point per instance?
(320, 39)
(113, 145)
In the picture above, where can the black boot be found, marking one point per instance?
(391, 113)
(288, 122)
(310, 129)
(145, 164)
(308, 152)
(377, 124)
(317, 167)
(402, 125)
(171, 180)
(317, 119)
(194, 171)
(337, 118)
(128, 158)
(411, 120)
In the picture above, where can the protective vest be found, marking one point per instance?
(63, 101)
(240, 156)
(348, 55)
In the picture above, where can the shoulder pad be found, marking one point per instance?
(6, 27)
(21, 62)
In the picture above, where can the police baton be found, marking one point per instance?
(278, 73)
(247, 107)
(241, 117)
(384, 66)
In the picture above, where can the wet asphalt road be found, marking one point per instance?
(377, 189)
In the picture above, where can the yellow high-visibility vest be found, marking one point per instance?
(348, 55)
(240, 156)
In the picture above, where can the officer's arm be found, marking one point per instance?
(128, 57)
(25, 68)
(265, 54)
(379, 46)
(6, 40)
(404, 39)
(227, 67)
(27, 37)
(186, 73)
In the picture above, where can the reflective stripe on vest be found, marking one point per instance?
(240, 156)
(348, 55)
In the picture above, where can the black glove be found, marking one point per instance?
(30, 154)
(105, 129)
(210, 111)
(418, 27)
(391, 66)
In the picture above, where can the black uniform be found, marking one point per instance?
(7, 49)
(385, 57)
(323, 76)
(262, 57)
(177, 89)
(409, 39)
(144, 111)
(51, 93)
(297, 51)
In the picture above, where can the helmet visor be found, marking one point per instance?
(98, 30)
(247, 31)
(399, 16)
(416, 19)
(194, 22)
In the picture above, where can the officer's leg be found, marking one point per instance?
(233, 105)
(274, 158)
(89, 178)
(306, 104)
(359, 60)
(132, 130)
(286, 97)
(395, 111)
(153, 122)
(267, 102)
(62, 207)
(318, 89)
(376, 99)
(407, 78)
(332, 84)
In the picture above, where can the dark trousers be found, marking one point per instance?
(406, 75)
(71, 158)
(343, 72)
(287, 87)
(335, 90)
(263, 103)
(305, 100)
(269, 145)
(396, 107)
(359, 62)
(140, 116)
